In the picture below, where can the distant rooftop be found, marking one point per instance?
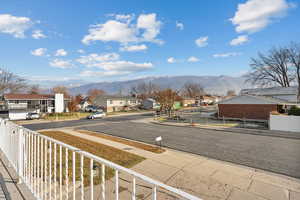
(29, 96)
(271, 91)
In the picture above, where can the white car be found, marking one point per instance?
(33, 116)
(97, 115)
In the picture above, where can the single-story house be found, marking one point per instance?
(207, 99)
(115, 103)
(150, 104)
(84, 103)
(19, 105)
(250, 107)
(186, 101)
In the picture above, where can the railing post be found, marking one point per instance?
(103, 181)
(154, 193)
(117, 184)
(92, 178)
(133, 189)
(20, 155)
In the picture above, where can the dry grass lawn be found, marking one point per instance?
(117, 156)
(139, 145)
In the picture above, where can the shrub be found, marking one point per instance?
(294, 110)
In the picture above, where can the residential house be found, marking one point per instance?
(187, 101)
(19, 105)
(115, 103)
(84, 103)
(251, 107)
(207, 99)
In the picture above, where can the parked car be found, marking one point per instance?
(32, 115)
(97, 115)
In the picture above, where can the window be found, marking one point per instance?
(111, 101)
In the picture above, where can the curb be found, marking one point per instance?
(247, 131)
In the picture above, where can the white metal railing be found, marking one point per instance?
(55, 170)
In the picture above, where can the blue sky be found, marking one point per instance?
(100, 40)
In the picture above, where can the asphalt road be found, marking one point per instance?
(280, 155)
(275, 154)
(82, 122)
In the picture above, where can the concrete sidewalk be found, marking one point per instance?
(207, 178)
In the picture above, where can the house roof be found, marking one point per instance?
(29, 97)
(252, 99)
(273, 91)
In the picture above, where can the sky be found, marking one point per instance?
(113, 40)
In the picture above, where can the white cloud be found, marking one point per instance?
(111, 31)
(255, 15)
(133, 48)
(171, 60)
(202, 41)
(126, 18)
(39, 52)
(110, 64)
(151, 26)
(15, 26)
(124, 66)
(92, 59)
(146, 29)
(61, 52)
(38, 34)
(179, 25)
(225, 55)
(80, 51)
(239, 40)
(102, 73)
(63, 64)
(193, 59)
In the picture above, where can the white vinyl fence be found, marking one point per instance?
(285, 123)
(54, 170)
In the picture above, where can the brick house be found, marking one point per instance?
(250, 107)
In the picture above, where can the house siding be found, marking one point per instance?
(246, 111)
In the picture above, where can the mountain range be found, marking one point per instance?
(218, 85)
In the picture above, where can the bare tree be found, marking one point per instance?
(294, 60)
(34, 89)
(231, 93)
(10, 82)
(75, 101)
(144, 90)
(60, 89)
(192, 90)
(93, 93)
(166, 99)
(271, 68)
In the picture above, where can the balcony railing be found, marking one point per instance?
(54, 170)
